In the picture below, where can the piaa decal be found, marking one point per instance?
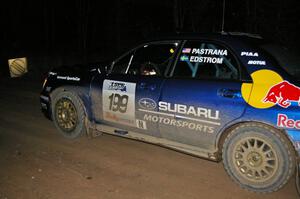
(249, 54)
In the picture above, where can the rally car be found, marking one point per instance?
(224, 97)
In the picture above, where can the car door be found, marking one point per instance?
(202, 95)
(132, 88)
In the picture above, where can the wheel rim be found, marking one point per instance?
(66, 115)
(255, 159)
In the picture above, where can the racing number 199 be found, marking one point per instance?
(118, 102)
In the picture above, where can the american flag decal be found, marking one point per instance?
(186, 50)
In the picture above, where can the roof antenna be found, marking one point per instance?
(223, 16)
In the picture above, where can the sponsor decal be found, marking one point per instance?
(119, 102)
(186, 50)
(257, 62)
(117, 86)
(116, 118)
(179, 123)
(183, 116)
(203, 51)
(188, 110)
(249, 54)
(52, 73)
(141, 124)
(68, 78)
(284, 121)
(283, 94)
(269, 89)
(147, 103)
(255, 92)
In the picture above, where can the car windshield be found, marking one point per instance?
(287, 59)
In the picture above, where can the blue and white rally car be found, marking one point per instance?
(223, 97)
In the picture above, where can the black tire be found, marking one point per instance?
(68, 114)
(258, 158)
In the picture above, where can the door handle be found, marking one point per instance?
(229, 93)
(145, 86)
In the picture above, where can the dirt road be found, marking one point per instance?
(37, 162)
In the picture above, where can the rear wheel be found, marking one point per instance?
(68, 114)
(258, 157)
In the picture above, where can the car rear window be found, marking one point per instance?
(287, 59)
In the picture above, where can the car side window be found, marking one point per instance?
(206, 60)
(152, 59)
(122, 64)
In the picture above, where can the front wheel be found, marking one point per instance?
(68, 114)
(258, 158)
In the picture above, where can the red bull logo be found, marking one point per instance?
(284, 121)
(283, 94)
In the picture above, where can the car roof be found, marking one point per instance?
(222, 36)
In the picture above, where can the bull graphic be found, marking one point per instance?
(283, 94)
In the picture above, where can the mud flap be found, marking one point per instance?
(298, 179)
(91, 129)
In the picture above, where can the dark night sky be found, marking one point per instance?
(65, 32)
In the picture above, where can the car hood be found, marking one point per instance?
(81, 69)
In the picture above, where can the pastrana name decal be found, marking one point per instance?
(204, 51)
